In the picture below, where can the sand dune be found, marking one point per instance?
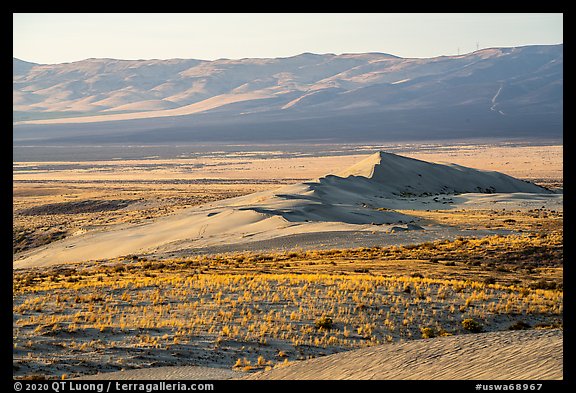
(303, 85)
(362, 198)
(208, 104)
(506, 355)
(534, 354)
(399, 175)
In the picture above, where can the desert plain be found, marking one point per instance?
(253, 261)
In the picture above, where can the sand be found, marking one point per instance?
(364, 197)
(507, 355)
(529, 355)
(197, 107)
(168, 373)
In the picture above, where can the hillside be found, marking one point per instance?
(527, 355)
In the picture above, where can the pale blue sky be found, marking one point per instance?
(58, 38)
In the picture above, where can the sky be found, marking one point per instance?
(50, 38)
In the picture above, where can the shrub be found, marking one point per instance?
(427, 332)
(324, 323)
(543, 284)
(471, 325)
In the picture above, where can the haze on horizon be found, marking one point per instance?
(49, 38)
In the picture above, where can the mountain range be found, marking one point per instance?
(496, 92)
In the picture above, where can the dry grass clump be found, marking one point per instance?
(324, 322)
(471, 325)
(427, 332)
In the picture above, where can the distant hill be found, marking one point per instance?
(368, 96)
